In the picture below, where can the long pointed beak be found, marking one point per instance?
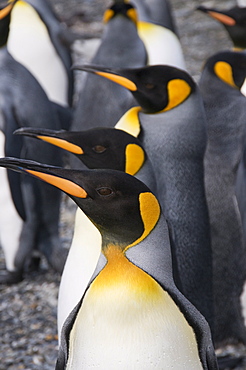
(5, 11)
(56, 176)
(219, 16)
(57, 138)
(111, 75)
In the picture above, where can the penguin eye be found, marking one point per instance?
(105, 191)
(149, 86)
(99, 148)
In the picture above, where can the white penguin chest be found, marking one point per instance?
(127, 321)
(79, 267)
(162, 45)
(29, 43)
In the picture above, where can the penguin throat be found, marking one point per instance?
(125, 277)
(113, 251)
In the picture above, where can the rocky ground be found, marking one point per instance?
(28, 337)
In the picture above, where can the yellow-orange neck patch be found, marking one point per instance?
(134, 158)
(223, 71)
(125, 279)
(129, 122)
(178, 91)
(61, 143)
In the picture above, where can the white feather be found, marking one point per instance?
(80, 265)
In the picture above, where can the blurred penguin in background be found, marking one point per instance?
(157, 29)
(156, 11)
(101, 102)
(234, 22)
(220, 83)
(37, 39)
(29, 216)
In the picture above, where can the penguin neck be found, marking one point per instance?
(119, 271)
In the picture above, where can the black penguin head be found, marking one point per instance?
(121, 8)
(5, 16)
(234, 21)
(101, 148)
(229, 67)
(156, 88)
(122, 207)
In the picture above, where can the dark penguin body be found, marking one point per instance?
(225, 107)
(102, 148)
(102, 102)
(173, 133)
(136, 260)
(23, 102)
(37, 40)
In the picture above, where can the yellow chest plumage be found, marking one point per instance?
(128, 321)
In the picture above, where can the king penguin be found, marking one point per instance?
(225, 106)
(172, 124)
(101, 148)
(156, 29)
(132, 314)
(37, 40)
(234, 21)
(157, 11)
(29, 212)
(103, 102)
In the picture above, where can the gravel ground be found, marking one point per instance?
(28, 310)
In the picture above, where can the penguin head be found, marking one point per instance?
(229, 67)
(234, 21)
(156, 88)
(121, 207)
(121, 8)
(5, 16)
(101, 148)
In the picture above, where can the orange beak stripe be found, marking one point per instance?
(225, 19)
(125, 82)
(65, 185)
(62, 144)
(5, 11)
